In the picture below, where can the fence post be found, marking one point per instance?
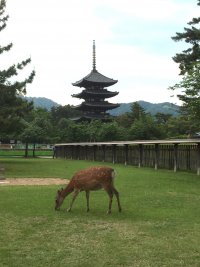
(72, 155)
(85, 149)
(156, 156)
(175, 157)
(198, 159)
(113, 153)
(94, 153)
(140, 155)
(126, 154)
(104, 153)
(78, 152)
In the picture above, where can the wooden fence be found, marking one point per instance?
(173, 154)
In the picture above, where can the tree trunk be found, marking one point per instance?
(26, 150)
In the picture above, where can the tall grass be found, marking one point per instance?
(159, 224)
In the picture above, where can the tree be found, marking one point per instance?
(189, 64)
(38, 129)
(146, 129)
(66, 112)
(110, 132)
(162, 118)
(124, 120)
(93, 130)
(179, 127)
(137, 112)
(13, 107)
(190, 86)
(191, 35)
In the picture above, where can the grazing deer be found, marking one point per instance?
(93, 178)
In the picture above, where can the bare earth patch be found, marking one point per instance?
(34, 181)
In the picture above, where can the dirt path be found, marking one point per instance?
(33, 181)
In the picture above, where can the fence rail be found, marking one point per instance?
(183, 154)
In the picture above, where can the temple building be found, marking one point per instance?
(94, 94)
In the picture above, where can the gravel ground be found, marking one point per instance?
(33, 181)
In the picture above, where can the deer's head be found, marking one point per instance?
(59, 199)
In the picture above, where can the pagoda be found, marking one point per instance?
(95, 106)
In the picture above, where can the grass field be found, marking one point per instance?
(159, 224)
(21, 152)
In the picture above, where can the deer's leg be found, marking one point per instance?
(117, 196)
(110, 194)
(75, 194)
(87, 199)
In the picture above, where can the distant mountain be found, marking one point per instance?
(165, 107)
(42, 102)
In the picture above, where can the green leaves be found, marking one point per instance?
(189, 64)
(5, 48)
(3, 19)
(190, 92)
(191, 35)
(13, 108)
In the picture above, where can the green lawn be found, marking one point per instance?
(159, 224)
(21, 153)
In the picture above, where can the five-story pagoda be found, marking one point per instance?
(94, 94)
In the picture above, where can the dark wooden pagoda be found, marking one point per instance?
(95, 106)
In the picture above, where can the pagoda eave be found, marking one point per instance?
(94, 78)
(103, 106)
(85, 83)
(88, 118)
(104, 94)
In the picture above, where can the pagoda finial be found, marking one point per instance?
(94, 56)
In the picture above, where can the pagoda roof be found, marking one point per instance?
(95, 78)
(100, 105)
(103, 117)
(100, 93)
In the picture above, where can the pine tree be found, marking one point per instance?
(189, 64)
(12, 107)
(191, 35)
(137, 112)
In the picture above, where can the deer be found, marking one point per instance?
(93, 178)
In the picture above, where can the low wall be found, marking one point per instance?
(183, 154)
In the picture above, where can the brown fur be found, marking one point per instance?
(93, 178)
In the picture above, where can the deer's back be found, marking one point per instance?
(93, 178)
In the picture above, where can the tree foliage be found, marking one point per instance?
(190, 56)
(190, 95)
(189, 64)
(41, 127)
(137, 112)
(13, 108)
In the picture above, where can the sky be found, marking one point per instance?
(133, 45)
